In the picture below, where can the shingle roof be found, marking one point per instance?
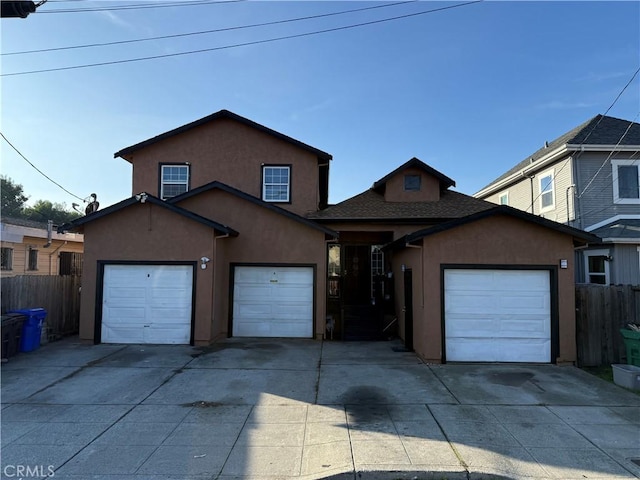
(214, 116)
(21, 222)
(600, 130)
(625, 228)
(370, 205)
(445, 181)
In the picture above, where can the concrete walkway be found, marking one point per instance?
(269, 409)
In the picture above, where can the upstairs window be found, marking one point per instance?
(412, 183)
(6, 256)
(504, 198)
(626, 181)
(174, 180)
(276, 184)
(33, 259)
(547, 194)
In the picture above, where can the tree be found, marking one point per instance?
(44, 210)
(13, 198)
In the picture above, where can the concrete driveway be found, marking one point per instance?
(306, 409)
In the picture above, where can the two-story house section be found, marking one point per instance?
(228, 233)
(588, 178)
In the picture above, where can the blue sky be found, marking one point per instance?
(471, 90)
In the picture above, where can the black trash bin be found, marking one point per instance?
(32, 328)
(11, 334)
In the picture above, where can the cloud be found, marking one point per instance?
(116, 20)
(601, 77)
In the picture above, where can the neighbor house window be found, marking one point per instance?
(6, 256)
(504, 199)
(276, 183)
(174, 180)
(547, 195)
(33, 259)
(412, 183)
(597, 266)
(626, 181)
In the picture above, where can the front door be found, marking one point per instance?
(357, 275)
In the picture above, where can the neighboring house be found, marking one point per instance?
(588, 178)
(35, 248)
(228, 234)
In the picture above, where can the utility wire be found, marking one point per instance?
(37, 169)
(138, 6)
(608, 157)
(579, 154)
(203, 32)
(256, 42)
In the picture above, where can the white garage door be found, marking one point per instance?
(147, 304)
(497, 316)
(273, 302)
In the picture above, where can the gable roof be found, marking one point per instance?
(370, 205)
(154, 201)
(23, 222)
(216, 185)
(445, 182)
(216, 116)
(599, 130)
(585, 237)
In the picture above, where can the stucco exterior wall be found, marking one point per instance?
(148, 233)
(266, 237)
(429, 187)
(491, 241)
(232, 153)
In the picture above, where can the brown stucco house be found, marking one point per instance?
(229, 234)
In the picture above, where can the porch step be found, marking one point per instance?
(362, 323)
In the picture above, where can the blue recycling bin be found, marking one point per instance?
(31, 328)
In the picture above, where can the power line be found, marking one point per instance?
(606, 160)
(37, 169)
(245, 44)
(589, 134)
(203, 32)
(139, 6)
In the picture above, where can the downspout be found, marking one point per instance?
(531, 176)
(567, 202)
(51, 254)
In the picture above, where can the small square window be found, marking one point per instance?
(6, 256)
(597, 266)
(626, 181)
(412, 183)
(174, 180)
(276, 184)
(504, 199)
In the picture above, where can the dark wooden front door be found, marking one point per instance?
(357, 275)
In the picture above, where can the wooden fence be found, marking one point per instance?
(601, 311)
(58, 295)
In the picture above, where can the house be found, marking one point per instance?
(229, 233)
(36, 248)
(588, 178)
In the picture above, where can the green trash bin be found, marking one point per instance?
(632, 344)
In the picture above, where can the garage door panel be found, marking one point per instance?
(147, 304)
(497, 315)
(273, 302)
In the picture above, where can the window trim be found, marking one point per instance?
(413, 175)
(9, 266)
(614, 172)
(506, 196)
(289, 167)
(552, 191)
(597, 253)
(161, 183)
